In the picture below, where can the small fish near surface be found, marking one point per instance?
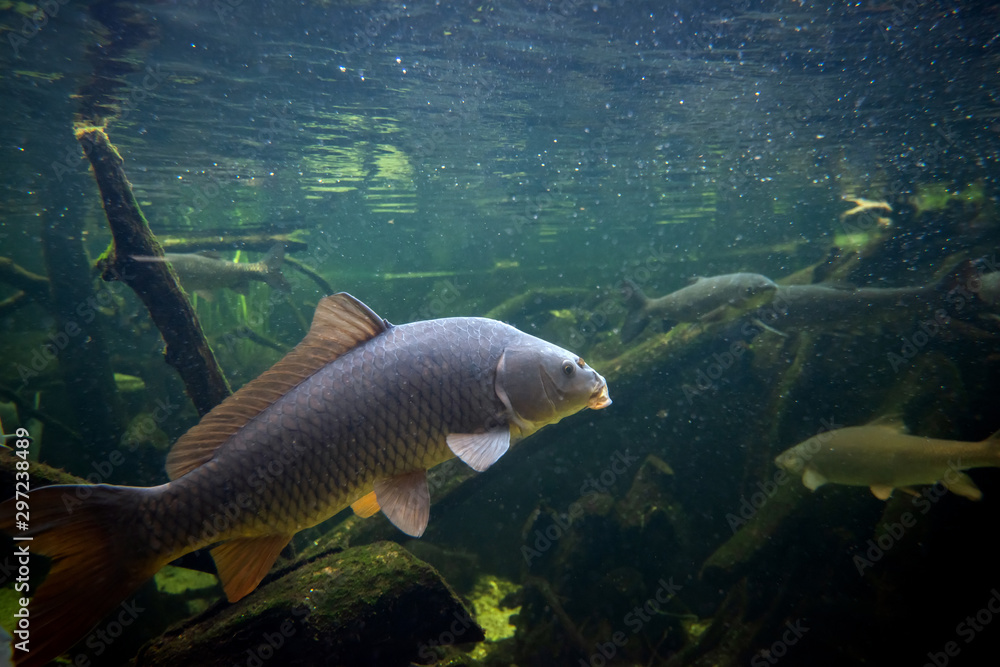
(202, 273)
(883, 458)
(352, 416)
(703, 299)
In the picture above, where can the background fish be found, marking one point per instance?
(355, 414)
(844, 307)
(738, 292)
(883, 458)
(203, 273)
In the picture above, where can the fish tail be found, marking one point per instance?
(94, 565)
(637, 316)
(272, 269)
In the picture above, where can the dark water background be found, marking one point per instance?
(440, 159)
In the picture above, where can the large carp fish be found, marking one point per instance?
(353, 415)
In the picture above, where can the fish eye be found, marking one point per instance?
(568, 368)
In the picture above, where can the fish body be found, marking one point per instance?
(204, 273)
(733, 292)
(825, 306)
(883, 458)
(353, 416)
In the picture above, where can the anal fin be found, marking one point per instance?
(406, 501)
(366, 505)
(959, 483)
(243, 562)
(881, 491)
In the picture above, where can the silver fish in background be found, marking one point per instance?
(731, 293)
(352, 416)
(203, 273)
(819, 306)
(883, 458)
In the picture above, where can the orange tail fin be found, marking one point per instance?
(94, 567)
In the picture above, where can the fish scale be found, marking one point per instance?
(405, 395)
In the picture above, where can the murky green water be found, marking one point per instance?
(520, 160)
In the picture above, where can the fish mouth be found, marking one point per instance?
(600, 398)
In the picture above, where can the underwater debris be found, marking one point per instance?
(862, 205)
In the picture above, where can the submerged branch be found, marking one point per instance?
(155, 283)
(18, 277)
(311, 273)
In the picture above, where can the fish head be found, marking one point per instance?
(753, 290)
(793, 460)
(542, 383)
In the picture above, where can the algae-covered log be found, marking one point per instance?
(542, 298)
(372, 605)
(154, 282)
(41, 474)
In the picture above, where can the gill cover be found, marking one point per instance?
(540, 385)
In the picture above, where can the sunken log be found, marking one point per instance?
(370, 605)
(155, 283)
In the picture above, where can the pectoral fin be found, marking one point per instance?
(962, 484)
(480, 450)
(366, 505)
(764, 325)
(812, 479)
(406, 501)
(881, 491)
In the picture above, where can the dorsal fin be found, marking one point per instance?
(341, 322)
